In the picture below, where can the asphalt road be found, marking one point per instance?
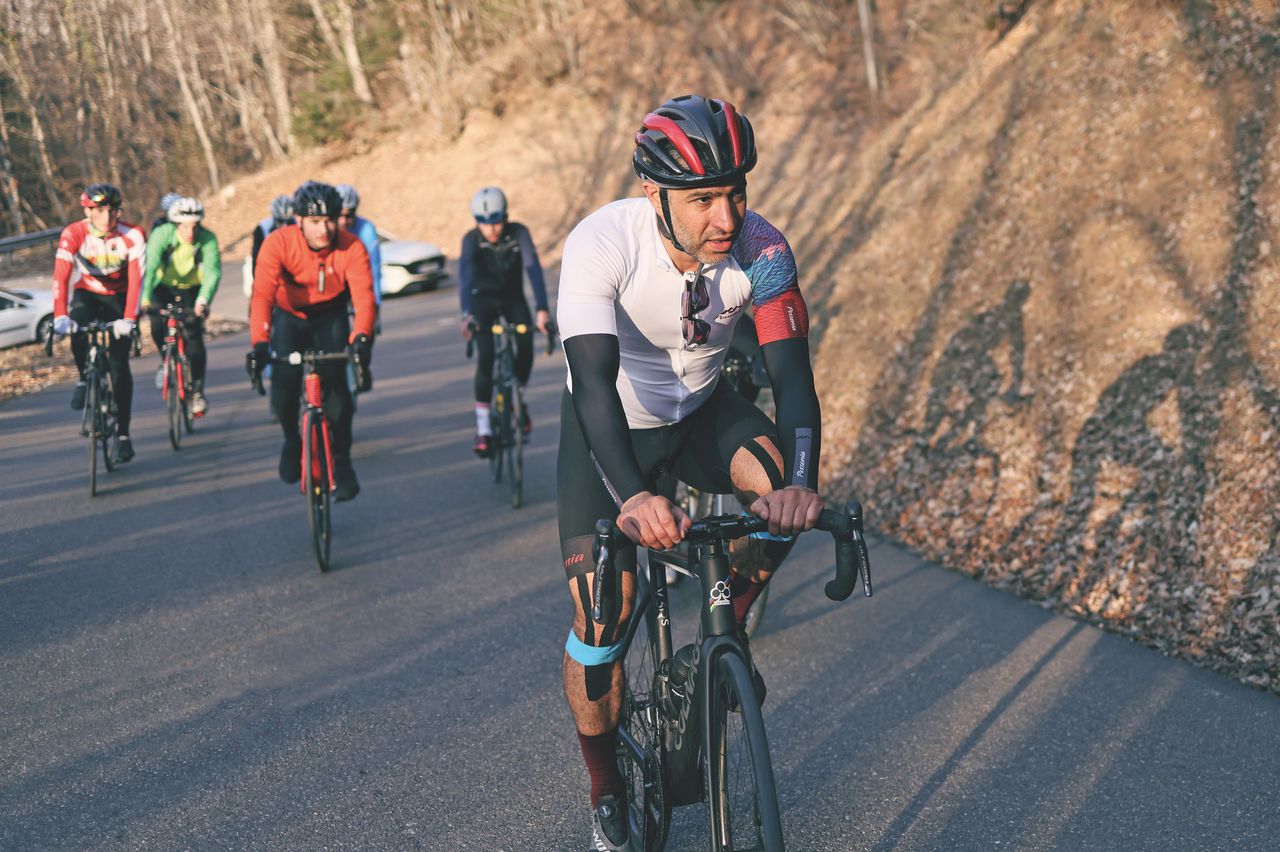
(175, 673)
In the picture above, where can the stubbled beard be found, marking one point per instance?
(694, 248)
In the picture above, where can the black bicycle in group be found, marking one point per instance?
(101, 424)
(691, 727)
(317, 448)
(177, 386)
(507, 411)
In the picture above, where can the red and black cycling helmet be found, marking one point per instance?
(100, 195)
(317, 199)
(692, 141)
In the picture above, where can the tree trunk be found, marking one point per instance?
(867, 24)
(189, 98)
(326, 30)
(11, 195)
(347, 33)
(262, 29)
(16, 72)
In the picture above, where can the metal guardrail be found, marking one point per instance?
(22, 241)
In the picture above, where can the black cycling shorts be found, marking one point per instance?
(697, 451)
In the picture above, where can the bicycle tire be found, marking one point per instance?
(742, 797)
(315, 479)
(110, 425)
(173, 401)
(644, 768)
(496, 459)
(515, 449)
(92, 415)
(184, 367)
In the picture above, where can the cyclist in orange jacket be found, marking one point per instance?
(306, 276)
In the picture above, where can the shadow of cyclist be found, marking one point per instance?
(1123, 469)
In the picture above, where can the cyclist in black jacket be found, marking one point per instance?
(496, 255)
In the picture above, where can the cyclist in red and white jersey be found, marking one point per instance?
(650, 292)
(100, 258)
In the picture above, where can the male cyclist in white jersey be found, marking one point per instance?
(650, 291)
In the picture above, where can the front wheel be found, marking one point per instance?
(315, 486)
(110, 423)
(173, 400)
(93, 422)
(641, 754)
(496, 457)
(742, 799)
(515, 448)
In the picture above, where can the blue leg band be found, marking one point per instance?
(589, 655)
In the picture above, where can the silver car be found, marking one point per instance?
(25, 315)
(407, 265)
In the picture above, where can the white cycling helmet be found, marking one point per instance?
(186, 209)
(489, 206)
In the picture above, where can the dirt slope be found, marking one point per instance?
(1054, 322)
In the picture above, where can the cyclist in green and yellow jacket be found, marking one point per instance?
(183, 268)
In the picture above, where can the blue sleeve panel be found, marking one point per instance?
(368, 234)
(766, 258)
(466, 269)
(532, 267)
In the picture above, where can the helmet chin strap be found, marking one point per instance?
(665, 226)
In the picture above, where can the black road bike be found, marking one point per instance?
(317, 448)
(691, 727)
(101, 423)
(507, 411)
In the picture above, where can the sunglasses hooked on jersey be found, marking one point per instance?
(694, 300)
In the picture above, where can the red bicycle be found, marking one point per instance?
(177, 387)
(317, 449)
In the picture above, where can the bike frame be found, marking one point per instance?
(313, 396)
(709, 563)
(175, 343)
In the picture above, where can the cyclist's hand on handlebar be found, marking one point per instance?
(255, 362)
(122, 328)
(468, 327)
(542, 319)
(653, 521)
(202, 308)
(789, 510)
(63, 325)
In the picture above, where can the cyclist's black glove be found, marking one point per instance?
(362, 348)
(255, 362)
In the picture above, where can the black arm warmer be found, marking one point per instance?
(799, 418)
(593, 364)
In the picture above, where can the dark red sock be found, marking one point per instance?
(600, 751)
(744, 593)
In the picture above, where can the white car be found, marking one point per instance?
(407, 265)
(25, 315)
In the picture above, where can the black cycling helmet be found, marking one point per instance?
(100, 195)
(692, 141)
(317, 199)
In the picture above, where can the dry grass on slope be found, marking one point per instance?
(561, 147)
(1061, 289)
